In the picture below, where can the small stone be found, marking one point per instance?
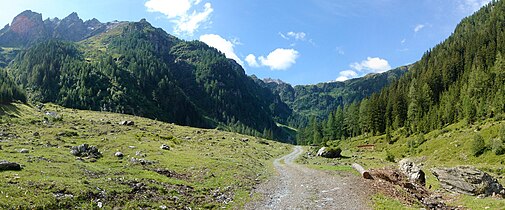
(118, 154)
(100, 204)
(165, 147)
(36, 134)
(163, 207)
(24, 151)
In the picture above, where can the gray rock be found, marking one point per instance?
(24, 151)
(329, 153)
(118, 154)
(468, 180)
(412, 171)
(320, 151)
(244, 139)
(9, 166)
(165, 147)
(127, 122)
(36, 134)
(84, 150)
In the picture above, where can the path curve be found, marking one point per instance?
(299, 187)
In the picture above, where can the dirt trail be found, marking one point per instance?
(299, 187)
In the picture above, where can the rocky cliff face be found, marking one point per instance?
(29, 27)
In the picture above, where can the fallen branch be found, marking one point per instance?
(364, 173)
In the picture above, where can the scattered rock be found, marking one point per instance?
(9, 166)
(412, 171)
(118, 154)
(84, 150)
(329, 153)
(244, 139)
(141, 161)
(24, 151)
(127, 123)
(165, 147)
(468, 180)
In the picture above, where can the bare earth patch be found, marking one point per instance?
(299, 187)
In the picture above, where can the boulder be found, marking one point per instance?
(127, 122)
(468, 180)
(24, 151)
(412, 171)
(329, 152)
(84, 150)
(165, 147)
(118, 154)
(9, 166)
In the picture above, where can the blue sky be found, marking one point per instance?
(300, 42)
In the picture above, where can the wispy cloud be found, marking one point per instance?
(297, 36)
(223, 45)
(183, 13)
(469, 6)
(279, 59)
(419, 27)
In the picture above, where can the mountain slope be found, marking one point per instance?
(319, 100)
(137, 69)
(29, 28)
(202, 169)
(460, 79)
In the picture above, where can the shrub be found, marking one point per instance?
(502, 134)
(478, 145)
(390, 157)
(497, 146)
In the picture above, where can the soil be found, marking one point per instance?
(299, 187)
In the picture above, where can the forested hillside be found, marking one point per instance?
(462, 78)
(9, 91)
(319, 100)
(137, 69)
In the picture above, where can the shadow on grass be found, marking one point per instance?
(9, 110)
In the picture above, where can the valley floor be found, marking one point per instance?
(299, 187)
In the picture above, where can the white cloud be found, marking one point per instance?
(341, 79)
(469, 6)
(223, 45)
(419, 27)
(375, 65)
(299, 36)
(182, 13)
(348, 73)
(251, 61)
(340, 50)
(279, 59)
(345, 75)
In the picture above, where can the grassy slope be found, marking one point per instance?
(207, 166)
(448, 147)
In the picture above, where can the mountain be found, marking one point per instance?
(461, 79)
(28, 27)
(134, 68)
(320, 99)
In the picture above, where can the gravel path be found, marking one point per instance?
(299, 187)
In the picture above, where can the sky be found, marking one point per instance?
(297, 41)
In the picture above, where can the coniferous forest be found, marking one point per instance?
(462, 78)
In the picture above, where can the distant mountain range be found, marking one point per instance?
(134, 68)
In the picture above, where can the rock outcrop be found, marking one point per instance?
(329, 152)
(468, 180)
(84, 150)
(412, 171)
